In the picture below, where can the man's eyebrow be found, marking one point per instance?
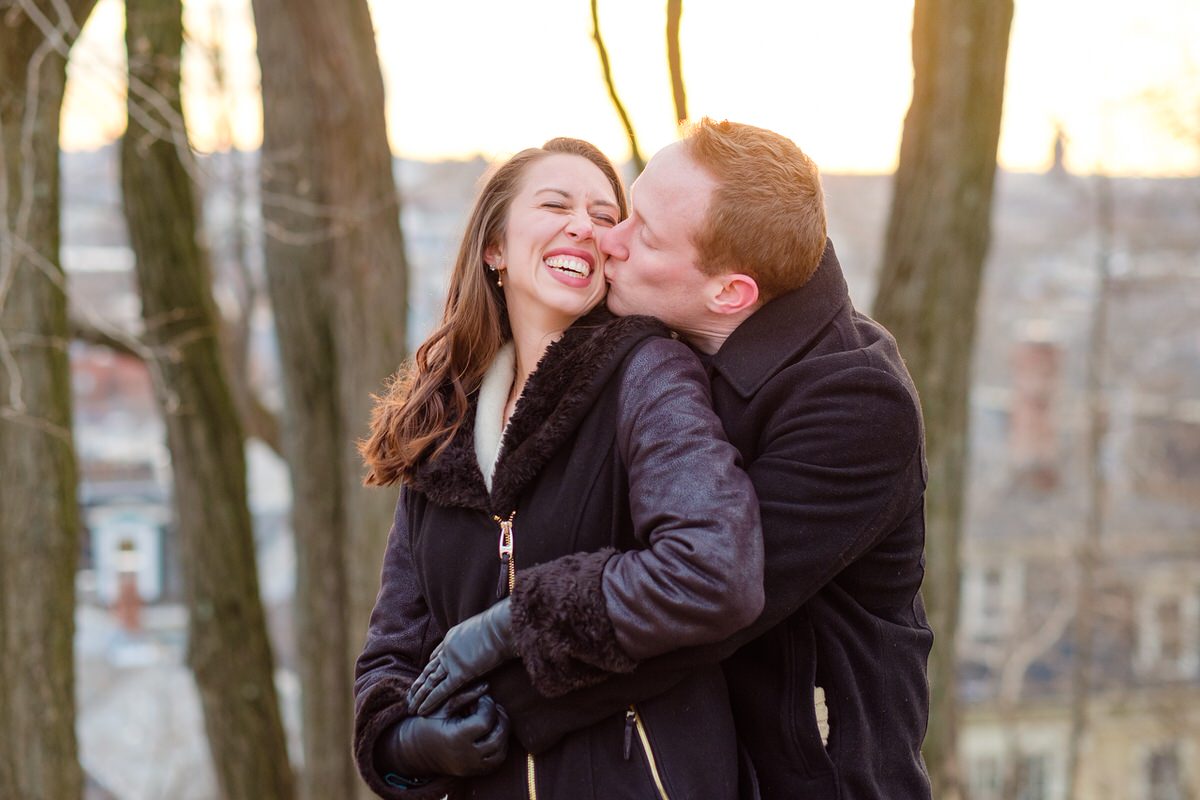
(598, 202)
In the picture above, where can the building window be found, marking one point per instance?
(1168, 632)
(1164, 774)
(1033, 775)
(991, 598)
(985, 778)
(992, 602)
(1169, 617)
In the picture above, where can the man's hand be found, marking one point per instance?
(471, 649)
(467, 736)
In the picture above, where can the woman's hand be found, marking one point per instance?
(471, 649)
(467, 736)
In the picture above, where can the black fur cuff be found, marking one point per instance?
(561, 627)
(380, 707)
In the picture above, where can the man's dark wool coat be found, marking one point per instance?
(824, 412)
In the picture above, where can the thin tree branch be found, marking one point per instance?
(258, 421)
(635, 153)
(84, 331)
(675, 59)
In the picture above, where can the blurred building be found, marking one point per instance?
(1080, 615)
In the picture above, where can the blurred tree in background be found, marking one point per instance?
(204, 434)
(337, 276)
(39, 513)
(937, 238)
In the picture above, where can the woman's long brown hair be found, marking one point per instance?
(426, 401)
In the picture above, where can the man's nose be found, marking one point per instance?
(612, 241)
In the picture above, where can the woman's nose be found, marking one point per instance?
(580, 226)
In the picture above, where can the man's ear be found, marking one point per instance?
(733, 293)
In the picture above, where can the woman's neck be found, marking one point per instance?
(529, 343)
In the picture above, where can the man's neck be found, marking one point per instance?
(713, 331)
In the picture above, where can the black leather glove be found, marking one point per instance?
(467, 736)
(471, 649)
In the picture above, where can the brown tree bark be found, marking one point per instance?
(675, 60)
(228, 649)
(937, 238)
(298, 257)
(337, 276)
(39, 514)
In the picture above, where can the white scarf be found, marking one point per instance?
(489, 413)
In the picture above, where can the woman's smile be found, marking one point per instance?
(570, 266)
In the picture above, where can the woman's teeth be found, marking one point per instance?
(570, 265)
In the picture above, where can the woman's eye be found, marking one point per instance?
(604, 219)
(553, 204)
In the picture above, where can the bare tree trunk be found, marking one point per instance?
(1089, 553)
(675, 60)
(635, 153)
(369, 269)
(337, 276)
(299, 261)
(228, 646)
(937, 239)
(39, 514)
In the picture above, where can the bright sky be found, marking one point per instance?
(478, 76)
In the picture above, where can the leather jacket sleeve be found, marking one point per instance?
(698, 578)
(399, 638)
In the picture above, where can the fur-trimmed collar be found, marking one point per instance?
(555, 400)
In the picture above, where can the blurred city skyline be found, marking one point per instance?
(465, 78)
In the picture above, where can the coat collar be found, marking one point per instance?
(556, 398)
(772, 336)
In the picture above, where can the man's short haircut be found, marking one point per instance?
(767, 214)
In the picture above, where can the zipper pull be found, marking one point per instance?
(630, 718)
(506, 552)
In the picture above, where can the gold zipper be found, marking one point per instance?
(634, 719)
(530, 778)
(508, 569)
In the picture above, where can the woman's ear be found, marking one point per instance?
(493, 256)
